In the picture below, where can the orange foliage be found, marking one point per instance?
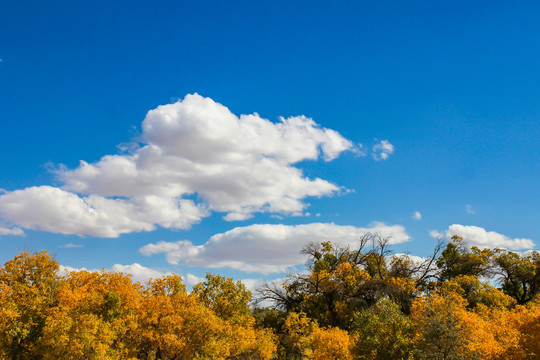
(27, 289)
(93, 314)
(105, 315)
(307, 340)
(331, 344)
(444, 326)
(525, 321)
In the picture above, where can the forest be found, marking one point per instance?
(363, 303)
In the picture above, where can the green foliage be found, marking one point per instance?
(383, 332)
(457, 259)
(438, 325)
(112, 302)
(521, 274)
(359, 303)
(342, 281)
(269, 318)
(478, 293)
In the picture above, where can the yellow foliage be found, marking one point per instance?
(176, 326)
(525, 321)
(93, 313)
(104, 315)
(477, 293)
(404, 285)
(444, 325)
(306, 339)
(488, 334)
(27, 288)
(439, 326)
(331, 344)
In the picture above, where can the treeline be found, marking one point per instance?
(362, 303)
(370, 304)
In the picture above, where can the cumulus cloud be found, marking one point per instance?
(417, 216)
(266, 248)
(193, 280)
(235, 165)
(252, 284)
(477, 236)
(59, 211)
(436, 234)
(13, 231)
(64, 270)
(382, 150)
(138, 272)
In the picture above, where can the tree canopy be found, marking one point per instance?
(350, 303)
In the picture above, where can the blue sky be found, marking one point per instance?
(448, 91)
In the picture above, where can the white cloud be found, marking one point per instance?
(193, 280)
(415, 259)
(64, 270)
(360, 150)
(382, 150)
(235, 165)
(254, 284)
(436, 234)
(71, 245)
(139, 273)
(55, 210)
(417, 216)
(477, 236)
(266, 248)
(13, 231)
(469, 209)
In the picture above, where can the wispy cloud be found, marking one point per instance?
(360, 150)
(11, 231)
(469, 209)
(71, 245)
(382, 150)
(417, 216)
